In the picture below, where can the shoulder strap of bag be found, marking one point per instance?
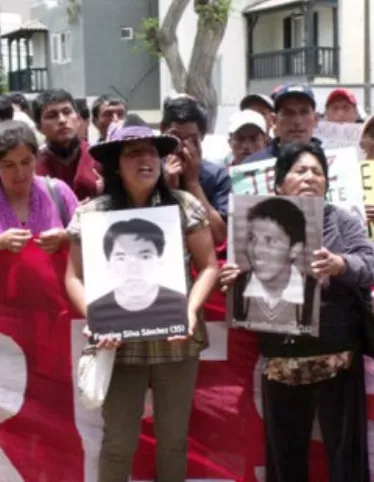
(57, 199)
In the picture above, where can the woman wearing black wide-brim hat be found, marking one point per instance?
(132, 172)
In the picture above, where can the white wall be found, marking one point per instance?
(268, 32)
(326, 31)
(21, 7)
(351, 32)
(39, 50)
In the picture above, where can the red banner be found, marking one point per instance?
(46, 435)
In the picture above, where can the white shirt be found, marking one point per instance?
(293, 292)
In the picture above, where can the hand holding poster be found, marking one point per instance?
(134, 274)
(273, 240)
(345, 188)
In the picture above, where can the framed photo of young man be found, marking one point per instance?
(272, 240)
(134, 273)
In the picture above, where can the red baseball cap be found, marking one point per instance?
(344, 93)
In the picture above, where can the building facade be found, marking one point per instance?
(93, 49)
(271, 42)
(12, 14)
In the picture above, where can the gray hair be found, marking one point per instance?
(13, 133)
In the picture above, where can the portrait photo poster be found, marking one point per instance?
(272, 240)
(134, 273)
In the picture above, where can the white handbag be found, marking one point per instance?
(95, 370)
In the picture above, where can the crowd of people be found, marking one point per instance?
(50, 174)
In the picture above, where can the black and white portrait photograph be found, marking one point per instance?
(272, 240)
(134, 273)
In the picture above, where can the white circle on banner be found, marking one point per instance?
(13, 377)
(8, 471)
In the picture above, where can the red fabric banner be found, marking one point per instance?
(47, 436)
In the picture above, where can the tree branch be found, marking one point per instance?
(208, 38)
(169, 46)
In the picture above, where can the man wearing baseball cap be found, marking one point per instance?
(247, 135)
(341, 106)
(295, 119)
(261, 103)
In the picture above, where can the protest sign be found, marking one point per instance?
(345, 187)
(336, 134)
(135, 281)
(273, 239)
(367, 178)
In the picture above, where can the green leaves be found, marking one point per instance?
(73, 9)
(212, 12)
(148, 35)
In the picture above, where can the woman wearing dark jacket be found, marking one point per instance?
(305, 376)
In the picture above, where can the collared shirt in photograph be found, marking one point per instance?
(281, 314)
(293, 292)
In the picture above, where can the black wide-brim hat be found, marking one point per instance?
(110, 150)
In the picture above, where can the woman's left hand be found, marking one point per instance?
(327, 264)
(50, 241)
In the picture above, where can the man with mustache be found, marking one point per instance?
(295, 119)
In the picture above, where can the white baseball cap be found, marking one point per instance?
(247, 117)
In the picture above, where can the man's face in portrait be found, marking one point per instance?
(268, 249)
(135, 264)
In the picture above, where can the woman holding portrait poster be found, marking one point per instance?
(132, 172)
(307, 376)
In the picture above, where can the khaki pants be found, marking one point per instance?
(172, 386)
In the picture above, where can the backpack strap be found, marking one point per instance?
(57, 199)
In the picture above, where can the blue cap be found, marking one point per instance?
(287, 91)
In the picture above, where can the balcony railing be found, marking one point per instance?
(300, 62)
(28, 80)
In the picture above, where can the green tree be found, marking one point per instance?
(161, 39)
